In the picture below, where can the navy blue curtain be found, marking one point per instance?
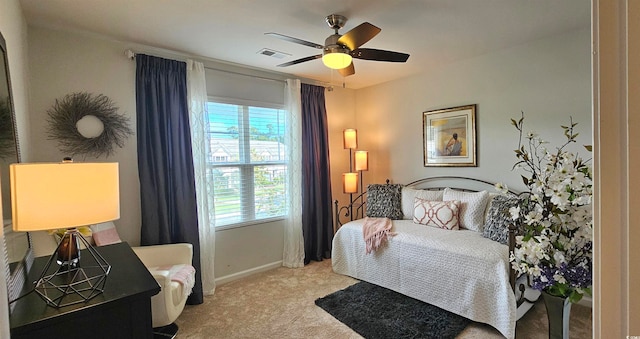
(317, 225)
(165, 163)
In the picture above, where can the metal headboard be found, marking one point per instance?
(356, 209)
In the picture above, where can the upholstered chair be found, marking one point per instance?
(169, 264)
(167, 305)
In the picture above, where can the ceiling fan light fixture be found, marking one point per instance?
(336, 58)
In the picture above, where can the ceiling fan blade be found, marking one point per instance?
(295, 62)
(347, 71)
(379, 55)
(295, 40)
(359, 35)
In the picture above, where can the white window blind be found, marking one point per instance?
(247, 163)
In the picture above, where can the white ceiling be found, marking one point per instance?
(433, 32)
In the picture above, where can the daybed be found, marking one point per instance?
(461, 271)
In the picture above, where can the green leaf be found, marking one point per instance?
(525, 180)
(588, 148)
(587, 291)
(574, 297)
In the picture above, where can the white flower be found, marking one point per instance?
(560, 198)
(533, 217)
(515, 212)
(559, 258)
(502, 188)
(534, 271)
(559, 278)
(558, 218)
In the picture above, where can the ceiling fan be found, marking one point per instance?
(338, 50)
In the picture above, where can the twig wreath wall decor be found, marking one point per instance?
(67, 112)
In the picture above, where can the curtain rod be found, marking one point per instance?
(132, 55)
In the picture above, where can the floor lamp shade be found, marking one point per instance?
(350, 138)
(48, 196)
(350, 182)
(362, 160)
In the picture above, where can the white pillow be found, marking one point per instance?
(472, 210)
(408, 198)
(441, 214)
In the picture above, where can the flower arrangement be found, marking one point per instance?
(555, 247)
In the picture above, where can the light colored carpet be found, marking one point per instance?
(280, 304)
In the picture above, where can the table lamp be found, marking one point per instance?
(66, 195)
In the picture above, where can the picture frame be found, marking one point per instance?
(449, 137)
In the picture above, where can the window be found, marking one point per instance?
(247, 169)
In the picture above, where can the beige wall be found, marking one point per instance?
(62, 63)
(550, 80)
(340, 103)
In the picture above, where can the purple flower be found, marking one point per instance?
(580, 274)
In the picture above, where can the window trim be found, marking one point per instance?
(248, 223)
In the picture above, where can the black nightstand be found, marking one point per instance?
(122, 311)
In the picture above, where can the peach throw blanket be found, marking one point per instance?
(375, 231)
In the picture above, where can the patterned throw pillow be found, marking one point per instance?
(499, 218)
(409, 196)
(384, 201)
(474, 204)
(442, 214)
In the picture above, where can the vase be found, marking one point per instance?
(558, 309)
(68, 254)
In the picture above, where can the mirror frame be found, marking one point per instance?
(17, 271)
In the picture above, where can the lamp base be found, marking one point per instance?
(73, 282)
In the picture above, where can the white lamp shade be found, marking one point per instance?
(350, 138)
(336, 60)
(350, 182)
(48, 196)
(362, 160)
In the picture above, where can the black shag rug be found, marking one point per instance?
(377, 312)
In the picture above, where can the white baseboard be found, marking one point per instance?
(246, 273)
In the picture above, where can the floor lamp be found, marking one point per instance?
(66, 195)
(350, 180)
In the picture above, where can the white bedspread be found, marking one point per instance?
(459, 271)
